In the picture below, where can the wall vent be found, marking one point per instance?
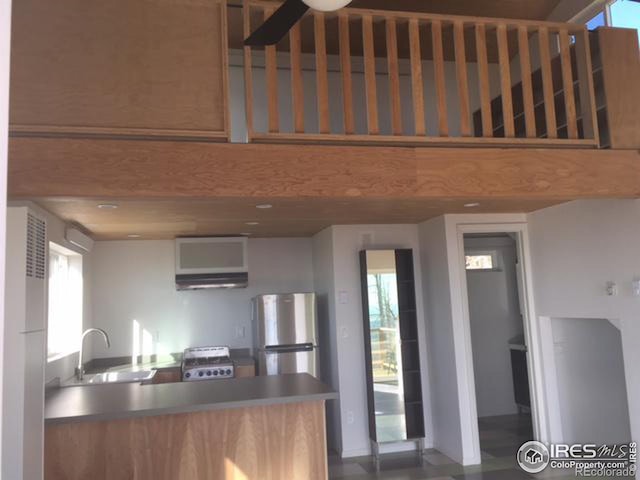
(36, 247)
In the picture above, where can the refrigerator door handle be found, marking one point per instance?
(300, 347)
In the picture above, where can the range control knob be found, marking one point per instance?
(208, 373)
(200, 373)
(228, 372)
(187, 375)
(215, 372)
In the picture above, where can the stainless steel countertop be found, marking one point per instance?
(129, 400)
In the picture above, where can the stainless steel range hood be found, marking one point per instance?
(213, 262)
(212, 280)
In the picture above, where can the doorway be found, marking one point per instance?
(499, 348)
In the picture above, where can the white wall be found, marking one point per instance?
(348, 242)
(347, 323)
(442, 357)
(591, 382)
(494, 313)
(134, 281)
(324, 286)
(5, 41)
(576, 248)
(237, 103)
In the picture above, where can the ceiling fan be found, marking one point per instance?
(285, 17)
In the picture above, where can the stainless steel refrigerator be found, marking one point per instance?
(285, 333)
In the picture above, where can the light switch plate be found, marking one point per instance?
(343, 297)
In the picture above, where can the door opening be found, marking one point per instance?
(497, 328)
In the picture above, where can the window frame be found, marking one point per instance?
(75, 264)
(492, 252)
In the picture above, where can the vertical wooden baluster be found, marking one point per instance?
(417, 85)
(585, 86)
(547, 83)
(505, 81)
(347, 84)
(394, 76)
(370, 75)
(483, 76)
(248, 81)
(322, 84)
(224, 41)
(297, 89)
(438, 67)
(461, 76)
(527, 89)
(271, 67)
(567, 84)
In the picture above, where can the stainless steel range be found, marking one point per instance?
(206, 363)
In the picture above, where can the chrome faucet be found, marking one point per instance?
(80, 367)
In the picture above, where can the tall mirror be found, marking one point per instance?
(391, 346)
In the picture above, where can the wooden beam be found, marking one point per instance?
(463, 81)
(527, 89)
(483, 78)
(322, 80)
(417, 85)
(271, 68)
(567, 85)
(297, 88)
(588, 112)
(547, 83)
(90, 168)
(394, 76)
(248, 69)
(505, 81)
(370, 76)
(620, 72)
(345, 69)
(438, 69)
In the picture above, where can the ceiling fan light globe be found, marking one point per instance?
(326, 5)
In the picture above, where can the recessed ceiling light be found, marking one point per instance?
(471, 205)
(252, 223)
(133, 235)
(107, 206)
(264, 206)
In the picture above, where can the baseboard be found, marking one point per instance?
(357, 452)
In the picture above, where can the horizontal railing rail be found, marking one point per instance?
(370, 76)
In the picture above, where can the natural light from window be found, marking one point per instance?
(479, 262)
(626, 14)
(65, 302)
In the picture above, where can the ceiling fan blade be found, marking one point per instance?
(278, 24)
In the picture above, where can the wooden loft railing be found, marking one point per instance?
(423, 78)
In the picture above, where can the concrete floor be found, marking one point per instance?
(500, 438)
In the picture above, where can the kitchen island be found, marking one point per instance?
(256, 428)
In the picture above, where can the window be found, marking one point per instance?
(481, 261)
(626, 14)
(65, 302)
(616, 13)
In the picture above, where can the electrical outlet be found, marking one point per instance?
(343, 297)
(344, 332)
(240, 332)
(350, 417)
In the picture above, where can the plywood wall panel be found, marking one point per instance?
(119, 66)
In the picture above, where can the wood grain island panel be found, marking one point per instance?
(273, 442)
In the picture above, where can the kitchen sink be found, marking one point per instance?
(104, 378)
